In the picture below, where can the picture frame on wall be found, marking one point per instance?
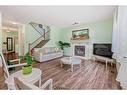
(81, 34)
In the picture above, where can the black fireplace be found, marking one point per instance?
(102, 50)
(80, 50)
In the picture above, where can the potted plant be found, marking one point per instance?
(29, 60)
(62, 45)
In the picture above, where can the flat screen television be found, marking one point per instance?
(102, 50)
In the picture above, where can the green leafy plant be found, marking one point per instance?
(63, 45)
(28, 58)
(27, 69)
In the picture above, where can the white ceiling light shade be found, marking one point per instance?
(14, 23)
(8, 29)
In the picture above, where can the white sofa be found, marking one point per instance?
(47, 53)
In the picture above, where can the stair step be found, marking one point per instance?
(42, 43)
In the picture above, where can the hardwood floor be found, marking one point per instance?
(91, 75)
(10, 56)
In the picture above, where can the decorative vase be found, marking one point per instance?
(27, 69)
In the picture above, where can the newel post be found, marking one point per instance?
(29, 48)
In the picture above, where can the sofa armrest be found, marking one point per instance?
(37, 56)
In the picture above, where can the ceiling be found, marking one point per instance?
(58, 16)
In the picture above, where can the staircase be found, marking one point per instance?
(44, 32)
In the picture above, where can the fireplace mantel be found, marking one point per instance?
(80, 41)
(86, 43)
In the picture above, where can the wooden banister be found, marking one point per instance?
(39, 37)
(29, 45)
(29, 49)
(44, 36)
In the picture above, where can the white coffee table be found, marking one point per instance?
(32, 78)
(71, 61)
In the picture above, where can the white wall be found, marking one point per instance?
(21, 35)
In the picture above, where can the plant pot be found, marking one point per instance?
(27, 69)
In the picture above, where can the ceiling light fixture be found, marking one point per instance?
(14, 23)
(8, 31)
(75, 23)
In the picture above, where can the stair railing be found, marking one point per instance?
(45, 36)
(32, 24)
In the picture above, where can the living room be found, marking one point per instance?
(73, 51)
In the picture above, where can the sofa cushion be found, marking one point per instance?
(47, 50)
(57, 49)
(47, 53)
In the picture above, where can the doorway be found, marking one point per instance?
(10, 45)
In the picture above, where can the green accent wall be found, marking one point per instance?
(31, 35)
(54, 37)
(99, 32)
